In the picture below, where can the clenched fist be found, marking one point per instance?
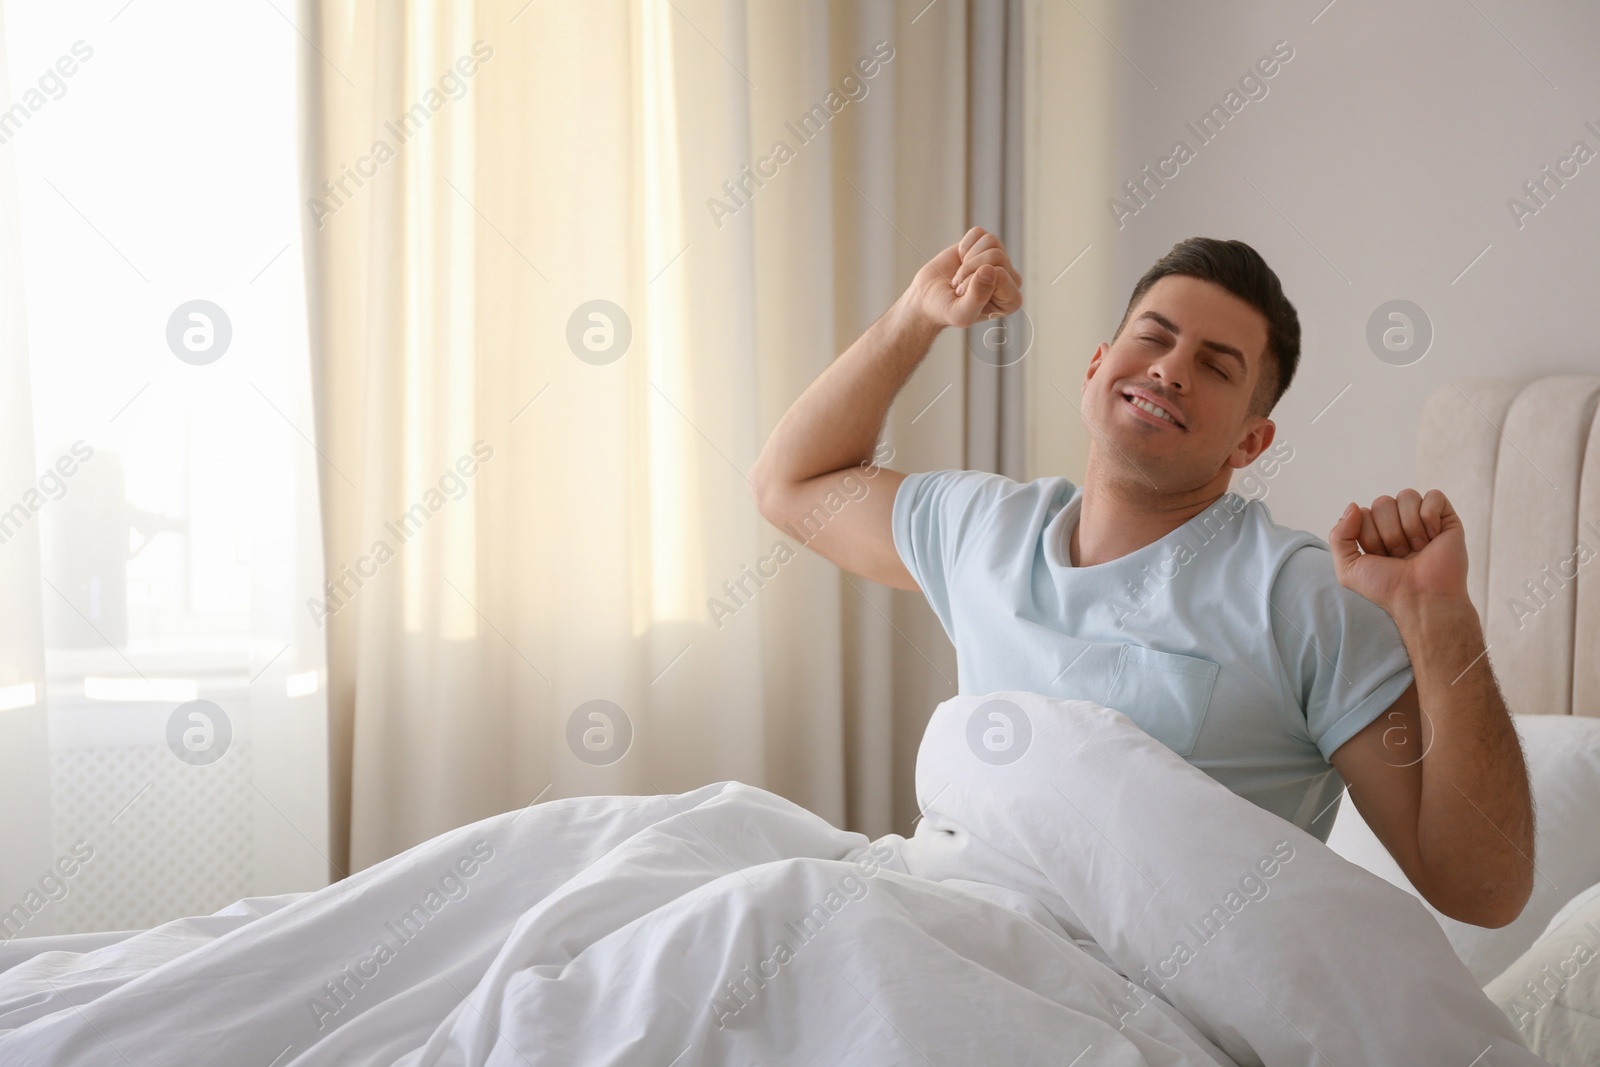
(1402, 550)
(970, 281)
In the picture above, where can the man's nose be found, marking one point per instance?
(1171, 371)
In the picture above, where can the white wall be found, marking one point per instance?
(1378, 166)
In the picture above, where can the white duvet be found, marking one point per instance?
(1076, 894)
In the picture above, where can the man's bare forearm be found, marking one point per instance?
(835, 423)
(1475, 820)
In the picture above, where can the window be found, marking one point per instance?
(150, 158)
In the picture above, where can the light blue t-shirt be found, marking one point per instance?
(1229, 640)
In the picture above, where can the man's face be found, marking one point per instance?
(1196, 351)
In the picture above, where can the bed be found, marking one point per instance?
(1086, 898)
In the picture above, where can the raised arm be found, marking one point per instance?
(819, 475)
(1440, 776)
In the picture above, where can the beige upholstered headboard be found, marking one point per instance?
(1520, 461)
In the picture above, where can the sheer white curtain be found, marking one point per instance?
(162, 701)
(572, 262)
(24, 729)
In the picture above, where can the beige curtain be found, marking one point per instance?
(522, 516)
(996, 195)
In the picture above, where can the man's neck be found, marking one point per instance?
(1117, 516)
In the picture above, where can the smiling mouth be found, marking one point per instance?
(1152, 409)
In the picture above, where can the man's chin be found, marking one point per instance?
(1135, 436)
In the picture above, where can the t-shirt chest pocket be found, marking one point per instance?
(1166, 694)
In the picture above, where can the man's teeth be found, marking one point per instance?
(1145, 405)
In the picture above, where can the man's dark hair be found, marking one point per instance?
(1239, 269)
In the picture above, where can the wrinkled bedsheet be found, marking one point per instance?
(1074, 893)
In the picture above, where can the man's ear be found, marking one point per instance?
(1094, 365)
(1259, 433)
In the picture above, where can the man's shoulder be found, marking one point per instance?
(1272, 530)
(986, 489)
(1005, 485)
(973, 507)
(1246, 523)
(1294, 567)
(1270, 548)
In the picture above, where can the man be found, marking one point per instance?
(1276, 662)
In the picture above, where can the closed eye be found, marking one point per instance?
(1214, 367)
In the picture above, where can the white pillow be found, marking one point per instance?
(1563, 757)
(1552, 991)
(1278, 950)
(1584, 902)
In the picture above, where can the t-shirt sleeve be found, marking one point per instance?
(1341, 653)
(933, 511)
